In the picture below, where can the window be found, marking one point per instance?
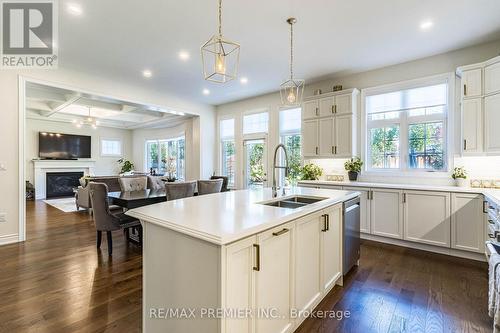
(228, 153)
(289, 127)
(167, 157)
(406, 129)
(255, 123)
(111, 147)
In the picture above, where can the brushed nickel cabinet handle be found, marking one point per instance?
(281, 232)
(335, 108)
(404, 197)
(257, 257)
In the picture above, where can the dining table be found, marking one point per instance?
(134, 199)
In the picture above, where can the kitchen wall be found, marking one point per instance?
(438, 64)
(104, 165)
(204, 126)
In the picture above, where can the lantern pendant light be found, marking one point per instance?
(291, 91)
(220, 56)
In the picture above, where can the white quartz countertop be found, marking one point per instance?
(492, 194)
(223, 218)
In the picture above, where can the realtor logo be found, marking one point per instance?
(29, 34)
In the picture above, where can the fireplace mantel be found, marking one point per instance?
(43, 166)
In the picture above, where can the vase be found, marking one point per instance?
(462, 182)
(353, 175)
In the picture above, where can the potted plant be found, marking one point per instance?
(311, 172)
(460, 176)
(171, 168)
(353, 167)
(126, 166)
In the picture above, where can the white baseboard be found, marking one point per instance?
(425, 247)
(9, 239)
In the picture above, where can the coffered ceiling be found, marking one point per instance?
(121, 39)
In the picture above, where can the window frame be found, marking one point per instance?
(223, 139)
(110, 139)
(404, 121)
(283, 134)
(159, 142)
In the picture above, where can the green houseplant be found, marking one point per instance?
(460, 176)
(353, 167)
(311, 171)
(126, 165)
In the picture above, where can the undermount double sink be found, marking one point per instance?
(293, 202)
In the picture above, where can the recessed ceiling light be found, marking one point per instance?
(206, 92)
(244, 80)
(75, 9)
(147, 73)
(184, 55)
(426, 25)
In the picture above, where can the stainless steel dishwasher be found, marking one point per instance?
(350, 234)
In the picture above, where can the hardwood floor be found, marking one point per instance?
(58, 282)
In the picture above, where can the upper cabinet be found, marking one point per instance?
(329, 125)
(480, 107)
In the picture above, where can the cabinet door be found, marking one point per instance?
(343, 136)
(331, 247)
(492, 78)
(273, 280)
(310, 110)
(326, 139)
(427, 217)
(386, 213)
(307, 283)
(364, 211)
(491, 120)
(467, 222)
(239, 283)
(472, 83)
(310, 137)
(343, 104)
(472, 121)
(326, 106)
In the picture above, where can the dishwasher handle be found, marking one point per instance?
(348, 209)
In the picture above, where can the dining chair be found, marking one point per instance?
(156, 183)
(104, 220)
(225, 181)
(179, 190)
(129, 184)
(209, 186)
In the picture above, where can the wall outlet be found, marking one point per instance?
(3, 217)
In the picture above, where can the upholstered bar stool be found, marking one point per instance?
(179, 190)
(209, 186)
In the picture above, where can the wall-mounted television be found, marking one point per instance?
(57, 146)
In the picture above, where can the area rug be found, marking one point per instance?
(67, 205)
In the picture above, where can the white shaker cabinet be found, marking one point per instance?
(472, 83)
(326, 137)
(344, 145)
(273, 279)
(492, 78)
(331, 240)
(492, 119)
(364, 202)
(427, 217)
(386, 213)
(308, 262)
(239, 277)
(472, 128)
(310, 137)
(310, 109)
(467, 222)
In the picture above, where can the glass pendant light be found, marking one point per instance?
(89, 121)
(220, 56)
(291, 91)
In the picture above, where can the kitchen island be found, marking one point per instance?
(240, 261)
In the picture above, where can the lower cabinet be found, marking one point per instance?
(467, 222)
(427, 217)
(386, 213)
(364, 202)
(292, 266)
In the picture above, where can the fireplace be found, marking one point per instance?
(62, 184)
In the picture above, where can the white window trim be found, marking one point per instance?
(111, 139)
(256, 135)
(220, 139)
(163, 139)
(448, 78)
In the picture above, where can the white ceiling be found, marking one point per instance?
(120, 38)
(61, 105)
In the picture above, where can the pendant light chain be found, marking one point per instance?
(220, 18)
(291, 50)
